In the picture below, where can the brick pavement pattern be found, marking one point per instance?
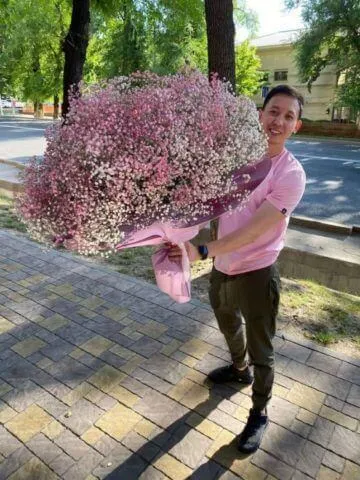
(104, 377)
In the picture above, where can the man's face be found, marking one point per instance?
(280, 119)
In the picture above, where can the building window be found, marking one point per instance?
(280, 75)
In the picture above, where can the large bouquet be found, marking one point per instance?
(137, 150)
(141, 159)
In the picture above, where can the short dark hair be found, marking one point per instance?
(285, 90)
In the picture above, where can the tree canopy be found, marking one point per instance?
(156, 35)
(331, 37)
(31, 60)
(247, 64)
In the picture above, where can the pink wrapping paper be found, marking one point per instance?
(173, 277)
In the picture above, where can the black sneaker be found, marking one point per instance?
(250, 438)
(231, 374)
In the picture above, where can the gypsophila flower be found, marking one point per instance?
(135, 150)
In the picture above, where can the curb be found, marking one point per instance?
(347, 140)
(26, 116)
(331, 227)
(12, 163)
(317, 348)
(336, 273)
(10, 189)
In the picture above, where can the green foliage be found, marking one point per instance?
(157, 35)
(248, 76)
(324, 337)
(125, 36)
(117, 43)
(332, 37)
(31, 59)
(348, 94)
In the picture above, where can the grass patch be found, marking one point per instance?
(134, 261)
(325, 338)
(325, 315)
(8, 217)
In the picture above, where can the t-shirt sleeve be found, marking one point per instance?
(287, 191)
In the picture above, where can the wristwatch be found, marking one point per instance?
(204, 252)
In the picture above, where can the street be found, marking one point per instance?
(333, 179)
(332, 168)
(21, 138)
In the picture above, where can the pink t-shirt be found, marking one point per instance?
(283, 187)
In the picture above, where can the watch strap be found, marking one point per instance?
(203, 251)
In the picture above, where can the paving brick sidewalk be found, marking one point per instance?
(102, 376)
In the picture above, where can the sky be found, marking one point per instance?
(272, 17)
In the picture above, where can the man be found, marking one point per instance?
(244, 283)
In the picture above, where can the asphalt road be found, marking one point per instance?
(333, 179)
(332, 168)
(22, 138)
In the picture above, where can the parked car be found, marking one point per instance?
(6, 103)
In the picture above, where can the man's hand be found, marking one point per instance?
(175, 252)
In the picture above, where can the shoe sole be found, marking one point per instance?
(253, 449)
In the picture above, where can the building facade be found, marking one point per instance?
(277, 55)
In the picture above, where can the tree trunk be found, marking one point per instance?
(221, 39)
(56, 106)
(221, 50)
(358, 120)
(75, 46)
(38, 110)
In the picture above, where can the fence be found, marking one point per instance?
(348, 130)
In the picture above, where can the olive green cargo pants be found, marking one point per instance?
(249, 300)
